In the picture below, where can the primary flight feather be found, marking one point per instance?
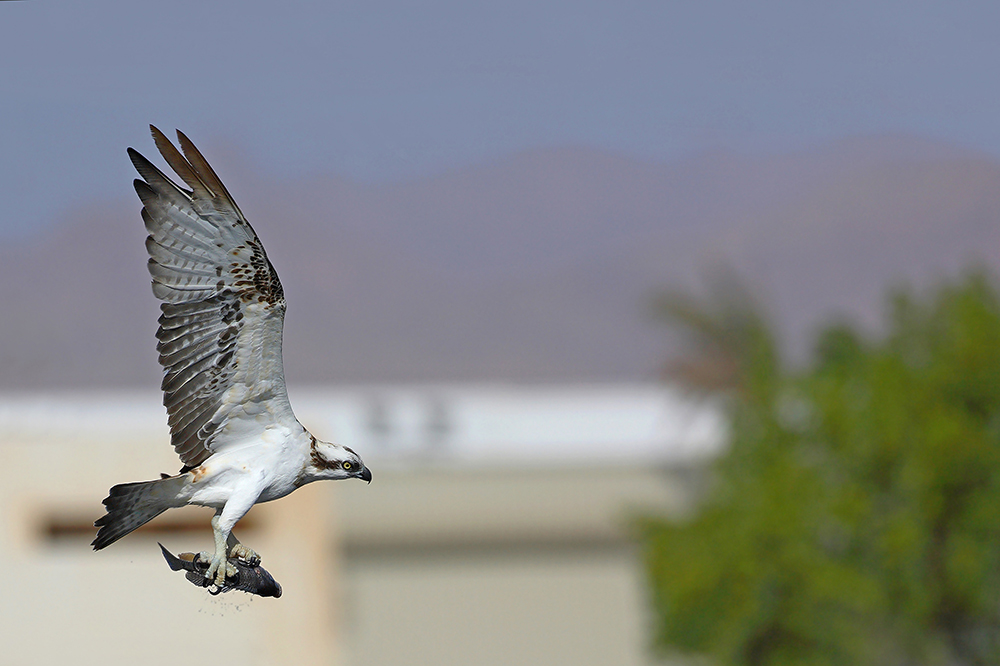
(220, 348)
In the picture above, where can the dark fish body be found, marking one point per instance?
(253, 580)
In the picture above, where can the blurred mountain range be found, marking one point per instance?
(537, 267)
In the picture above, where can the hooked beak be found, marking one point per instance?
(366, 475)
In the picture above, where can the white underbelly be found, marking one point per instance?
(265, 470)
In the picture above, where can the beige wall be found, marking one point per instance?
(435, 562)
(486, 566)
(63, 603)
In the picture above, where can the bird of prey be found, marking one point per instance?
(220, 348)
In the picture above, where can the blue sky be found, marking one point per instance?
(390, 90)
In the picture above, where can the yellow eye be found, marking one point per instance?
(347, 465)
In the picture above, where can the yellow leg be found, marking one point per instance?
(219, 566)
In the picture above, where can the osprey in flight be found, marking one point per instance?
(220, 348)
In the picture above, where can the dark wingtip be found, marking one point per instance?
(143, 189)
(139, 160)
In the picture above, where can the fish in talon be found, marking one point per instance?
(249, 579)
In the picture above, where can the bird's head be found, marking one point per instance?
(333, 461)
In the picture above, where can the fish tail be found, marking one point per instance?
(132, 505)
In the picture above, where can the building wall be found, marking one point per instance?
(442, 559)
(64, 603)
(486, 566)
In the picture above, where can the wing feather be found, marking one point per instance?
(177, 293)
(170, 252)
(195, 424)
(183, 272)
(172, 328)
(207, 174)
(180, 165)
(189, 409)
(189, 406)
(219, 337)
(158, 181)
(183, 357)
(204, 317)
(191, 339)
(175, 378)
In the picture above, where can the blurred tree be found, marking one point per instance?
(856, 516)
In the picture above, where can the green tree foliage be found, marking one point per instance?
(856, 516)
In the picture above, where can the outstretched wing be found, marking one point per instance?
(223, 307)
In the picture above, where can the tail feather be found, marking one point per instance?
(132, 505)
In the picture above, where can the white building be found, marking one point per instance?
(495, 530)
